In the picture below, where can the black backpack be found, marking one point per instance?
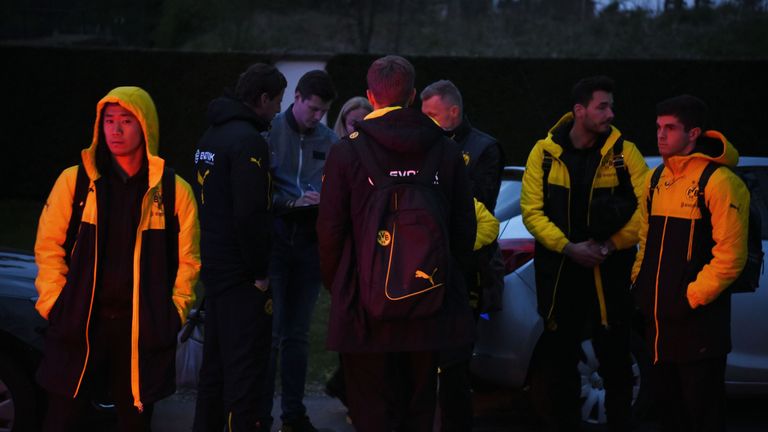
(749, 279)
(401, 237)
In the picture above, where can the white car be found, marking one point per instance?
(506, 339)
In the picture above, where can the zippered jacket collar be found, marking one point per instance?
(554, 146)
(712, 146)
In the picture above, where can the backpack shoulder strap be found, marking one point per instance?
(703, 180)
(78, 203)
(171, 223)
(546, 167)
(169, 191)
(654, 183)
(622, 171)
(618, 151)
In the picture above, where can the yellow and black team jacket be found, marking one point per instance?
(67, 291)
(684, 266)
(548, 218)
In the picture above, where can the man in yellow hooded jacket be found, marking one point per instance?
(686, 262)
(115, 287)
(584, 254)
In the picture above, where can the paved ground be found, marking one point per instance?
(496, 411)
(175, 413)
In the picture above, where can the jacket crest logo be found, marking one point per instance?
(157, 198)
(384, 238)
(466, 157)
(692, 192)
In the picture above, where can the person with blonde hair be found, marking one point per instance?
(354, 110)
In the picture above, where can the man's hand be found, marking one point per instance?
(586, 254)
(694, 300)
(309, 198)
(261, 284)
(607, 248)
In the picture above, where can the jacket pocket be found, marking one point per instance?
(673, 300)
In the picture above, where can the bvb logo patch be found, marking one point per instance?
(465, 155)
(383, 237)
(268, 307)
(692, 192)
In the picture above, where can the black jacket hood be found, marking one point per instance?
(225, 109)
(403, 130)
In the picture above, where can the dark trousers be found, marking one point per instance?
(455, 393)
(294, 273)
(456, 412)
(238, 333)
(391, 391)
(455, 390)
(690, 396)
(107, 379)
(555, 381)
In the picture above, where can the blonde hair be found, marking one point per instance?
(352, 104)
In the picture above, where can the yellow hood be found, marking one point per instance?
(711, 145)
(140, 104)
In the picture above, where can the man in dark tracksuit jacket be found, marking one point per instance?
(391, 365)
(233, 190)
(483, 159)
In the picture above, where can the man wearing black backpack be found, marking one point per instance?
(118, 257)
(688, 258)
(579, 201)
(396, 228)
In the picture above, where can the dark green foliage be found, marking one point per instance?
(48, 116)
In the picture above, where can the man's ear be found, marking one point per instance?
(454, 111)
(694, 134)
(297, 96)
(578, 110)
(264, 99)
(371, 98)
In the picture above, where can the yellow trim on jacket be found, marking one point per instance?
(487, 226)
(54, 220)
(532, 196)
(724, 193)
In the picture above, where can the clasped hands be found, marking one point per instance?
(589, 253)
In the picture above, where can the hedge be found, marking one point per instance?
(53, 92)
